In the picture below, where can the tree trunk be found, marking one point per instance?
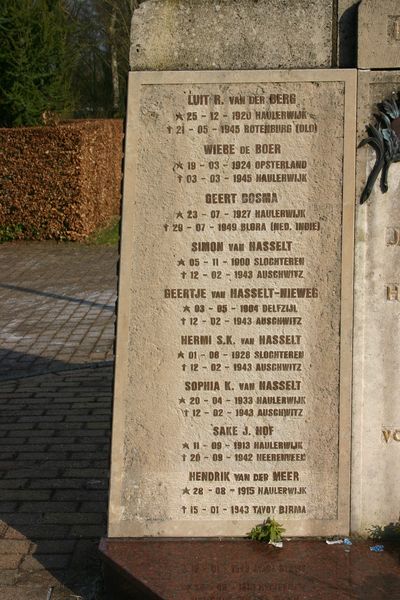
(114, 61)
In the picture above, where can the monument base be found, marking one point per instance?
(238, 569)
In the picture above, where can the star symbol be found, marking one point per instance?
(181, 262)
(182, 401)
(179, 215)
(179, 116)
(185, 491)
(181, 355)
(185, 445)
(186, 309)
(177, 165)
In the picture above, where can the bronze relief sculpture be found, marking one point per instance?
(384, 137)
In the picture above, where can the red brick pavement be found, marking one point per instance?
(55, 432)
(57, 307)
(56, 351)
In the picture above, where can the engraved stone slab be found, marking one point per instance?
(227, 34)
(379, 34)
(235, 306)
(376, 415)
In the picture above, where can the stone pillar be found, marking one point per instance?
(376, 381)
(168, 35)
(250, 37)
(231, 38)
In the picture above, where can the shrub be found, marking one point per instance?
(59, 182)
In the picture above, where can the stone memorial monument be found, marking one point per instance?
(237, 397)
(239, 323)
(376, 368)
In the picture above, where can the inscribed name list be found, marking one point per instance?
(229, 345)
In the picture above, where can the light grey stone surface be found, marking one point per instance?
(379, 34)
(231, 34)
(376, 390)
(217, 394)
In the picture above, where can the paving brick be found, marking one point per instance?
(34, 433)
(7, 440)
(92, 456)
(53, 546)
(15, 411)
(64, 409)
(96, 403)
(14, 534)
(102, 441)
(87, 473)
(88, 531)
(42, 456)
(38, 532)
(62, 464)
(98, 507)
(73, 447)
(100, 425)
(57, 396)
(3, 528)
(42, 419)
(15, 426)
(8, 578)
(33, 472)
(7, 507)
(25, 495)
(89, 434)
(16, 519)
(76, 518)
(80, 495)
(44, 507)
(14, 547)
(62, 426)
(44, 561)
(87, 419)
(10, 561)
(44, 439)
(60, 483)
(31, 448)
(7, 420)
(85, 553)
(12, 484)
(97, 484)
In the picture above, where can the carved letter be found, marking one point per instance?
(386, 434)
